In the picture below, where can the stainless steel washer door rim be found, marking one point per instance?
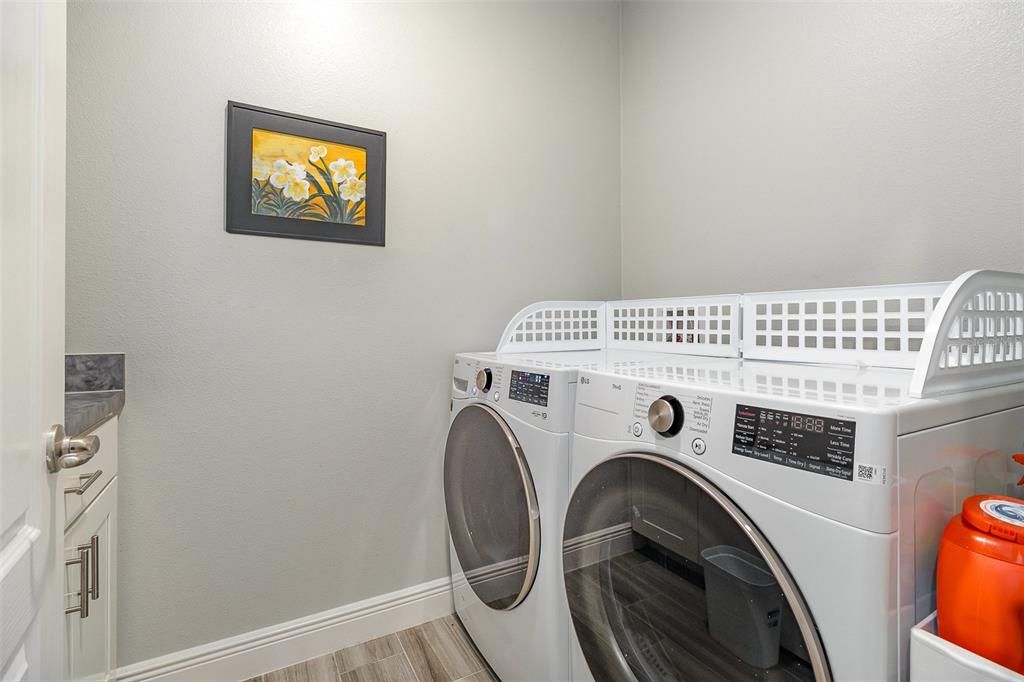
(668, 579)
(492, 508)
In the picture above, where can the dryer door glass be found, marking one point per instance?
(667, 579)
(492, 508)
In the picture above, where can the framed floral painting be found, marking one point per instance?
(303, 178)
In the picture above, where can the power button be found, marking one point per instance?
(638, 429)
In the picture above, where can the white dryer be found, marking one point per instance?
(506, 484)
(736, 519)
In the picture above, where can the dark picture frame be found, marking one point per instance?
(240, 216)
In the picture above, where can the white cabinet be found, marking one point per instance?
(90, 553)
(88, 480)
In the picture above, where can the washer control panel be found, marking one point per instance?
(821, 445)
(530, 387)
(540, 396)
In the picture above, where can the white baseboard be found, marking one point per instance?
(278, 646)
(598, 545)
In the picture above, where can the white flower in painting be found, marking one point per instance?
(279, 178)
(297, 189)
(317, 152)
(291, 179)
(342, 169)
(285, 172)
(260, 169)
(353, 189)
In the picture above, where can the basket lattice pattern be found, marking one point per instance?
(694, 326)
(880, 326)
(988, 330)
(556, 326)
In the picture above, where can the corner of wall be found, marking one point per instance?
(622, 240)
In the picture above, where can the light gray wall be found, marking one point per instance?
(287, 400)
(778, 145)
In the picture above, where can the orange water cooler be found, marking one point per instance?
(980, 591)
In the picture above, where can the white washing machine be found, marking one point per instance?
(756, 520)
(506, 471)
(506, 479)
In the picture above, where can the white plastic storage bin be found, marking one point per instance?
(933, 659)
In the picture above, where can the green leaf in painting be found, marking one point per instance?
(258, 193)
(328, 203)
(319, 192)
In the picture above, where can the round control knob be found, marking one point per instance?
(665, 415)
(483, 380)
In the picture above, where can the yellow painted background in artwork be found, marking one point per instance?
(269, 146)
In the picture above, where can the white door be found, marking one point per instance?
(32, 149)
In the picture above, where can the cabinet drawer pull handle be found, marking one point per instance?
(84, 481)
(83, 582)
(94, 565)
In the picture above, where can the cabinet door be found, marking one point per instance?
(103, 465)
(91, 640)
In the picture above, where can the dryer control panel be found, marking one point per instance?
(829, 459)
(821, 445)
(644, 412)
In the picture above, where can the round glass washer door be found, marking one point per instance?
(667, 579)
(492, 509)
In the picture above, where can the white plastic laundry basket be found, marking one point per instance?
(933, 659)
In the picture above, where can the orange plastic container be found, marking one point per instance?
(980, 592)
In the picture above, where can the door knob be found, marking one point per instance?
(64, 453)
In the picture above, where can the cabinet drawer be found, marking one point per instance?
(91, 641)
(105, 461)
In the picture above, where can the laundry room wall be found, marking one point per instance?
(287, 400)
(805, 145)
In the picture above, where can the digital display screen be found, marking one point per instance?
(820, 445)
(528, 387)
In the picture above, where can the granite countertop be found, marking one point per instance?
(86, 410)
(93, 390)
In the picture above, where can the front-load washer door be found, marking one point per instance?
(492, 507)
(667, 579)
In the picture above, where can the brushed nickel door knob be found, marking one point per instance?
(65, 453)
(665, 415)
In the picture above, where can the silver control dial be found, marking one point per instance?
(483, 380)
(665, 415)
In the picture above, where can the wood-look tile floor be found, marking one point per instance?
(664, 614)
(438, 651)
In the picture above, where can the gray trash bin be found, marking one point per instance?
(744, 604)
(790, 637)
